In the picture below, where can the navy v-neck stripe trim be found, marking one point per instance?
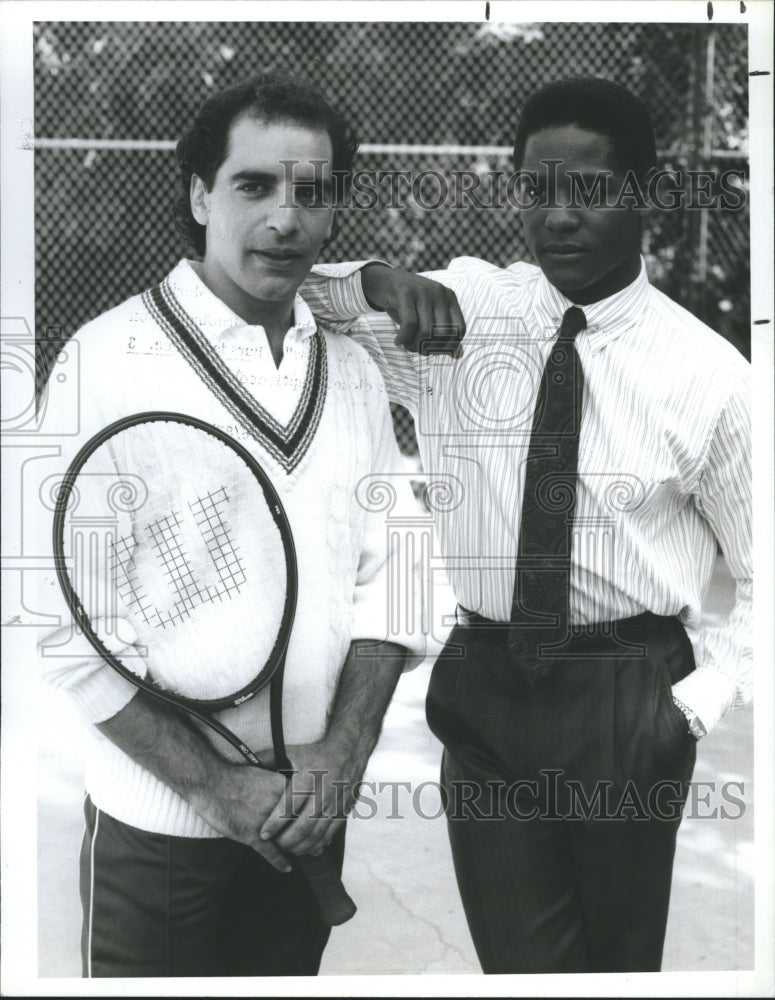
(287, 444)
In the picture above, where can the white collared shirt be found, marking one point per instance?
(664, 453)
(244, 348)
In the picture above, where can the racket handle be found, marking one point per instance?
(335, 905)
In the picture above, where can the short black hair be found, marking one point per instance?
(269, 97)
(597, 105)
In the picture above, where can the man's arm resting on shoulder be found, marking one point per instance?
(234, 799)
(425, 312)
(324, 788)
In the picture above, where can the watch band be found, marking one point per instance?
(696, 727)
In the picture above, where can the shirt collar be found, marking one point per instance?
(606, 319)
(220, 323)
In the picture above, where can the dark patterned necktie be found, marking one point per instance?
(539, 612)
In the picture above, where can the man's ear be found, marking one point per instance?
(200, 200)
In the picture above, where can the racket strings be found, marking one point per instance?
(165, 536)
(124, 570)
(195, 563)
(216, 534)
(176, 566)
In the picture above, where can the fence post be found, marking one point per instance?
(707, 146)
(703, 57)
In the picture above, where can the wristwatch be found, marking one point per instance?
(696, 727)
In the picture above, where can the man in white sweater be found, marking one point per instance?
(176, 876)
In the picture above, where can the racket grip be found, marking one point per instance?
(335, 905)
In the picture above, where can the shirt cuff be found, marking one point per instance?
(346, 292)
(708, 693)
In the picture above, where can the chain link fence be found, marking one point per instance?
(112, 98)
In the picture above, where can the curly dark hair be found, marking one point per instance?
(270, 97)
(598, 105)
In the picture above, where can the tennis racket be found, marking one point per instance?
(175, 557)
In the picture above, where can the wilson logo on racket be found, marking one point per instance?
(233, 536)
(245, 697)
(165, 537)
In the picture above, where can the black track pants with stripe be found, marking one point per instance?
(156, 905)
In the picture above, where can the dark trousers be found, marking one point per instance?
(563, 801)
(155, 905)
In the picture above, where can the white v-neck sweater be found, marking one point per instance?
(321, 427)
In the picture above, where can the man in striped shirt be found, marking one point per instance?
(564, 798)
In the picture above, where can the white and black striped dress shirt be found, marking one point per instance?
(664, 454)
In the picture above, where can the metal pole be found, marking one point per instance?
(707, 146)
(692, 217)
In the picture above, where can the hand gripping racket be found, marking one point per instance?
(176, 559)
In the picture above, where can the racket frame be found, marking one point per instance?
(278, 651)
(335, 905)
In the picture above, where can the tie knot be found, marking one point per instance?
(573, 322)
